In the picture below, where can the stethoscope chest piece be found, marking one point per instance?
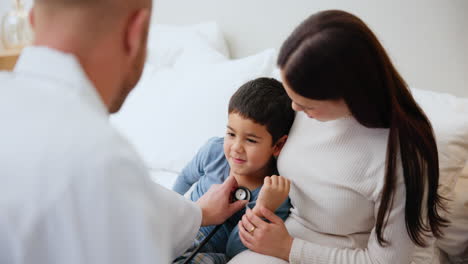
(242, 193)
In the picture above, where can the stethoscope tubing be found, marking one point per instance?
(210, 235)
(246, 195)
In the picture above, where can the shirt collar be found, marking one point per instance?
(61, 68)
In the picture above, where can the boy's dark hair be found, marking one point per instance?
(265, 102)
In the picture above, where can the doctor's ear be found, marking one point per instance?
(136, 33)
(279, 145)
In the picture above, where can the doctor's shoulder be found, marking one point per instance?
(7, 79)
(4, 75)
(107, 154)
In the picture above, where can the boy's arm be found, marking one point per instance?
(186, 178)
(193, 170)
(274, 192)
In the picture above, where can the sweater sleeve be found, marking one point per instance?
(193, 170)
(399, 249)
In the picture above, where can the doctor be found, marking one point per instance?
(72, 189)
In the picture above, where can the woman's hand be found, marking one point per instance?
(274, 191)
(270, 239)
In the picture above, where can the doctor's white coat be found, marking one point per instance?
(72, 190)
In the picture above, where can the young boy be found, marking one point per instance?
(260, 116)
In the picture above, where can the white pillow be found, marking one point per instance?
(464, 173)
(167, 43)
(174, 111)
(455, 241)
(449, 118)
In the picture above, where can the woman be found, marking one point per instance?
(361, 155)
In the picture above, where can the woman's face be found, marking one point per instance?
(322, 110)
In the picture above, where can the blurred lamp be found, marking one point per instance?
(16, 31)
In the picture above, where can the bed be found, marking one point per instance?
(199, 54)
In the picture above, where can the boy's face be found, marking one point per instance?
(248, 147)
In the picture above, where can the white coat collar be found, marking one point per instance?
(62, 68)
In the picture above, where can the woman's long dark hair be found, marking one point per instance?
(334, 55)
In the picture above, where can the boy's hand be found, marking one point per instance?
(274, 191)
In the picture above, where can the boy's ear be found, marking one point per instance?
(279, 145)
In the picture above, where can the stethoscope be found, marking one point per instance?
(240, 194)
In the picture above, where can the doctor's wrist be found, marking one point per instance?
(287, 248)
(205, 219)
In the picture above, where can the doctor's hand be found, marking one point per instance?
(270, 239)
(215, 203)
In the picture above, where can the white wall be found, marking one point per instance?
(427, 39)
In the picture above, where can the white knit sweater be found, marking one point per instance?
(337, 170)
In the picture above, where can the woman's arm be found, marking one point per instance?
(274, 240)
(234, 245)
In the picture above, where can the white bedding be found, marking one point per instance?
(165, 178)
